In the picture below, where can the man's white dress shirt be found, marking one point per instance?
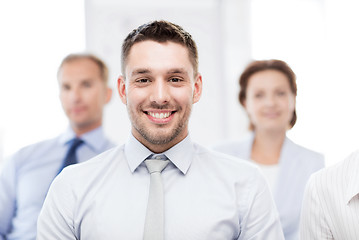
(207, 195)
(331, 202)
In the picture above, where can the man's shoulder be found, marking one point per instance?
(34, 150)
(228, 146)
(91, 172)
(40, 144)
(100, 161)
(225, 161)
(341, 168)
(340, 174)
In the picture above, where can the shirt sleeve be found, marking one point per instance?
(7, 196)
(261, 219)
(56, 217)
(313, 224)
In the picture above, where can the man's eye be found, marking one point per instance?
(65, 87)
(142, 80)
(175, 80)
(86, 84)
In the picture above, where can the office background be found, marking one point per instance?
(318, 38)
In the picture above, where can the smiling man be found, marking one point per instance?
(27, 175)
(161, 88)
(160, 184)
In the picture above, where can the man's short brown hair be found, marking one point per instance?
(160, 31)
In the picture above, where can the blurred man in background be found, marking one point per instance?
(26, 176)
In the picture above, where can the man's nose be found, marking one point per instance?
(75, 94)
(160, 92)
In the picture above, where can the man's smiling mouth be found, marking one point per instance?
(159, 115)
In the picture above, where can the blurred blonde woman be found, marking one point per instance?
(268, 92)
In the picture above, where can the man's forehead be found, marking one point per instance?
(149, 56)
(146, 46)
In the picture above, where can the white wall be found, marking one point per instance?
(35, 36)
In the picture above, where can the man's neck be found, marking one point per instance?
(79, 131)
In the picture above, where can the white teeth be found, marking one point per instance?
(160, 115)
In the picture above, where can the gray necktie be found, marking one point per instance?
(154, 225)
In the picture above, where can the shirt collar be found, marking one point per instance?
(180, 155)
(95, 139)
(353, 178)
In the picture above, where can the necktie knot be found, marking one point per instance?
(76, 143)
(156, 163)
(71, 153)
(70, 157)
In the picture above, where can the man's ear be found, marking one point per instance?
(121, 87)
(197, 88)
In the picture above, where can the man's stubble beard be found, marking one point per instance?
(152, 137)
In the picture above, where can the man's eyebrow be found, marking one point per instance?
(140, 71)
(177, 70)
(87, 80)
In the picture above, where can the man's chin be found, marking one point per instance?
(83, 125)
(159, 140)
